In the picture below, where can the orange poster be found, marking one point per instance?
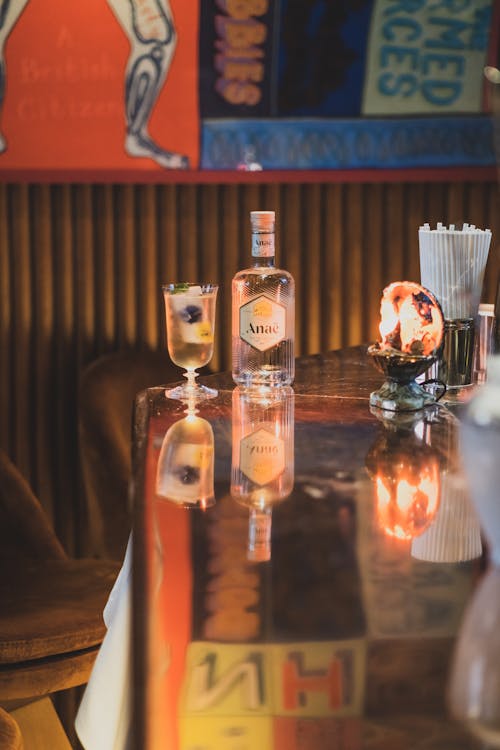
(99, 85)
(135, 90)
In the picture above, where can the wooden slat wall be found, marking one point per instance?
(81, 268)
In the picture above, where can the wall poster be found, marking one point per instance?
(147, 86)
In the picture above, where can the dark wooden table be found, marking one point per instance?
(342, 639)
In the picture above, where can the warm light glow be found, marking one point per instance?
(389, 319)
(410, 319)
(407, 500)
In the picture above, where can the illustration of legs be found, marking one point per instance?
(150, 28)
(10, 10)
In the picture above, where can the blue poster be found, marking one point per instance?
(319, 84)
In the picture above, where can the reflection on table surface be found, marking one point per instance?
(313, 602)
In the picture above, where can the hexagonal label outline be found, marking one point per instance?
(252, 339)
(265, 467)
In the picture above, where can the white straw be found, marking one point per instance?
(452, 264)
(454, 535)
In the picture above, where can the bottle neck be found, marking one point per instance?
(263, 249)
(263, 262)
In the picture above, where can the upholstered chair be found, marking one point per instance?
(51, 622)
(10, 734)
(106, 399)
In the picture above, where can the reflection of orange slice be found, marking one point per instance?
(204, 331)
(263, 308)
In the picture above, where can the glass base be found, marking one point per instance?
(188, 392)
(394, 396)
(269, 376)
(208, 502)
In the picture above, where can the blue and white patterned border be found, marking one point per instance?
(349, 144)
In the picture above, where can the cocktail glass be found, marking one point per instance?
(190, 311)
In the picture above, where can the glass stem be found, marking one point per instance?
(191, 376)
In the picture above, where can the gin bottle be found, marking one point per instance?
(480, 444)
(474, 687)
(263, 320)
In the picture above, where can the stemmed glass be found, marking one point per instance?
(190, 311)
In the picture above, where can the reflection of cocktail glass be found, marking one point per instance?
(190, 310)
(185, 474)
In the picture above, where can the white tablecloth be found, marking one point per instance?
(104, 716)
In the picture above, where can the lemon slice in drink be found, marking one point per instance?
(203, 331)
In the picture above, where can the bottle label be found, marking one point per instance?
(263, 245)
(262, 456)
(262, 323)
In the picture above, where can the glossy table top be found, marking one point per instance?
(312, 599)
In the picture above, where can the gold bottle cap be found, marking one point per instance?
(262, 221)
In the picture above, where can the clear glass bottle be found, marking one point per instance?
(474, 689)
(263, 320)
(480, 443)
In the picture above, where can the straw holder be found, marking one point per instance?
(452, 264)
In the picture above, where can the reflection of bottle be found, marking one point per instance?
(259, 534)
(263, 460)
(185, 473)
(262, 470)
(263, 299)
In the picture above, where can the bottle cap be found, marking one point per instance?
(262, 221)
(259, 536)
